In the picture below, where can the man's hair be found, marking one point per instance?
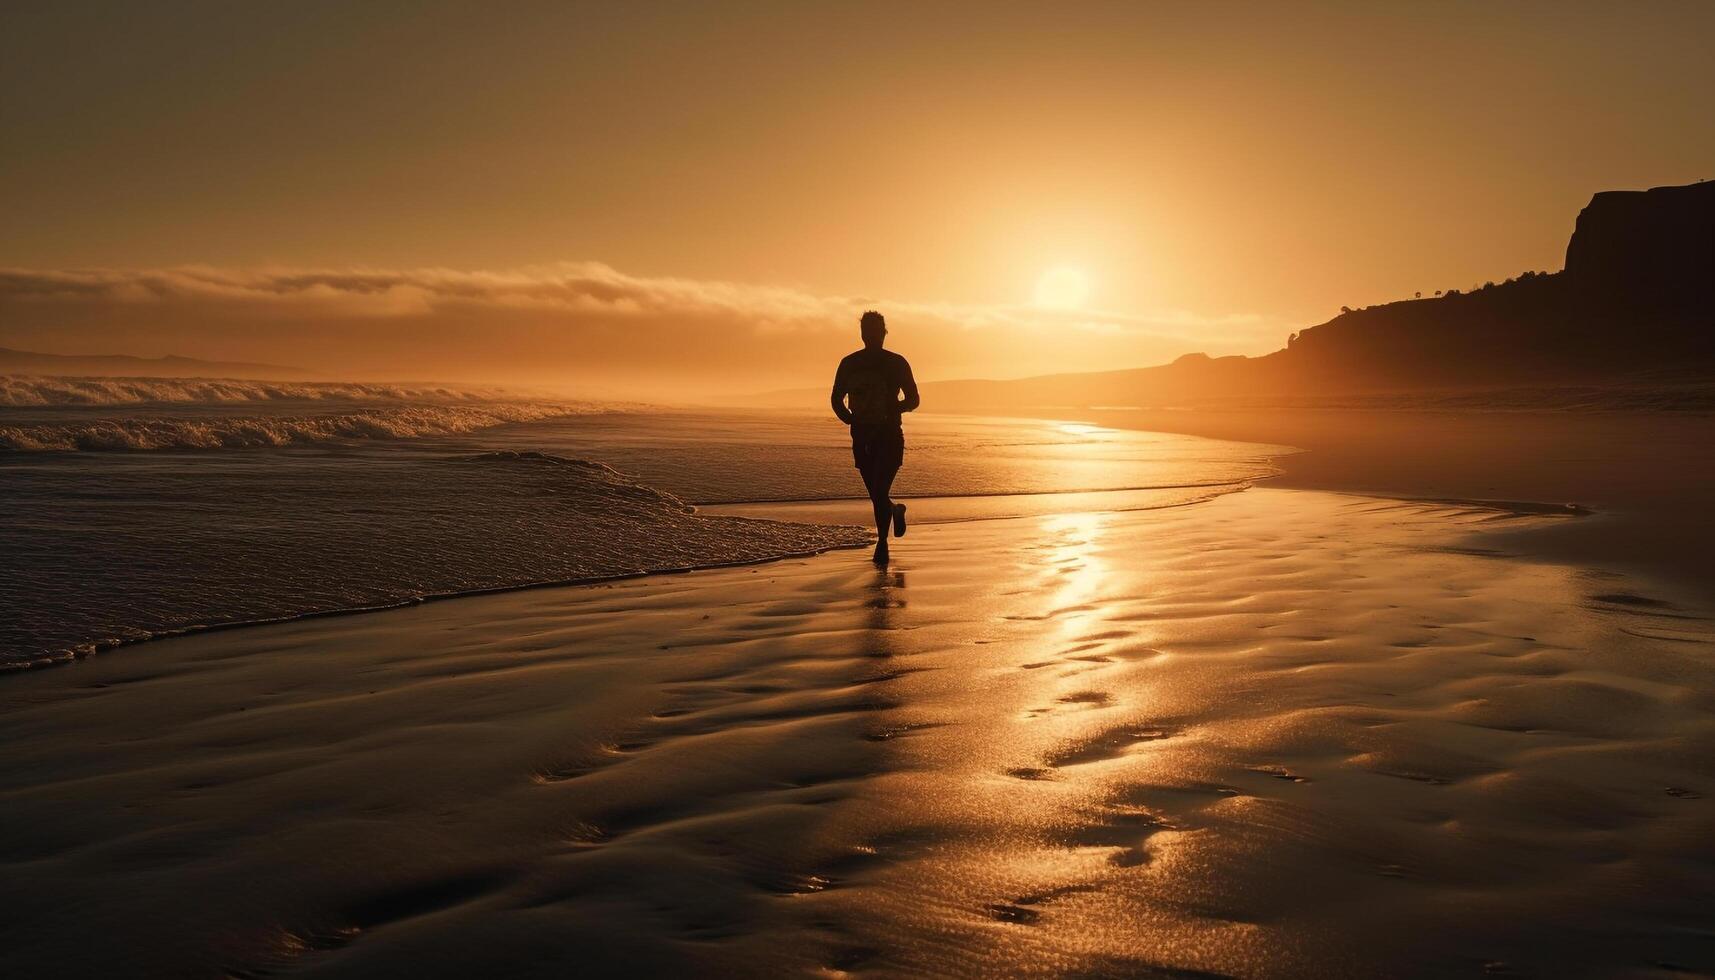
(872, 320)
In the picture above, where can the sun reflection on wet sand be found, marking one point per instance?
(1140, 752)
(1277, 734)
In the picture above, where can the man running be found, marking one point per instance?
(867, 390)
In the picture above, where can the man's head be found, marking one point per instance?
(873, 326)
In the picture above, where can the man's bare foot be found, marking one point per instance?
(899, 520)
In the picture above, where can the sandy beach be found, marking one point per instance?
(1280, 733)
(1643, 475)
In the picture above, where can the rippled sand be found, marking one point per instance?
(1279, 733)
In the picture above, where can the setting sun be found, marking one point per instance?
(1064, 288)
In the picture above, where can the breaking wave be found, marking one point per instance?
(251, 432)
(31, 391)
(612, 484)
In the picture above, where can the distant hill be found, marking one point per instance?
(1634, 308)
(126, 366)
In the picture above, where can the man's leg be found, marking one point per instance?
(892, 459)
(883, 500)
(878, 482)
(882, 486)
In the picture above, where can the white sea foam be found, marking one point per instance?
(250, 432)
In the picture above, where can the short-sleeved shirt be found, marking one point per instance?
(872, 380)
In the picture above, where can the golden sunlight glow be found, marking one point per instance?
(1064, 288)
(1082, 428)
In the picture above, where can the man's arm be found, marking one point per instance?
(909, 384)
(838, 398)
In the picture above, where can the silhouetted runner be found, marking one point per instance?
(867, 396)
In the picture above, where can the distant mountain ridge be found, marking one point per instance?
(1635, 305)
(127, 366)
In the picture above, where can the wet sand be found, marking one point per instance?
(1277, 733)
(1647, 475)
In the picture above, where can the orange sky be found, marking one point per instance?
(705, 195)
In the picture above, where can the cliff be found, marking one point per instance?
(1654, 247)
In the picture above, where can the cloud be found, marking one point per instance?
(574, 318)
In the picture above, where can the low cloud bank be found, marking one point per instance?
(584, 324)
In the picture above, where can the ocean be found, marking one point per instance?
(139, 508)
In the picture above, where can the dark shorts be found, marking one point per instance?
(878, 448)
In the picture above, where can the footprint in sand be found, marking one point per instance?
(1088, 697)
(1124, 829)
(1025, 910)
(1279, 772)
(1015, 914)
(1108, 745)
(1028, 772)
(1078, 699)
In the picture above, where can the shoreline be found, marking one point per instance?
(1250, 738)
(989, 507)
(853, 511)
(1642, 474)
(1313, 450)
(104, 646)
(122, 548)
